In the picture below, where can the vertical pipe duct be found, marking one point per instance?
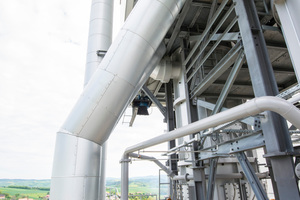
(122, 72)
(99, 40)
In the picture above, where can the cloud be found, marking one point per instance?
(42, 61)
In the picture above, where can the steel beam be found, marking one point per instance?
(245, 143)
(161, 108)
(217, 71)
(180, 20)
(207, 29)
(197, 72)
(203, 47)
(212, 178)
(170, 117)
(229, 82)
(277, 138)
(251, 176)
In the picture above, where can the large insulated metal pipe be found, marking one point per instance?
(99, 41)
(78, 162)
(122, 72)
(288, 12)
(100, 35)
(252, 107)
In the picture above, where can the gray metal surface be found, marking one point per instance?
(99, 40)
(288, 12)
(259, 191)
(100, 35)
(205, 40)
(88, 160)
(75, 172)
(99, 108)
(252, 107)
(274, 127)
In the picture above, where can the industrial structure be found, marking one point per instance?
(224, 73)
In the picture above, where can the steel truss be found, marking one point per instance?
(231, 51)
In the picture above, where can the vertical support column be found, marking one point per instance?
(199, 189)
(171, 124)
(183, 116)
(277, 138)
(288, 12)
(102, 181)
(170, 117)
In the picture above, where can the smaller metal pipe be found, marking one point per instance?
(294, 99)
(124, 176)
(159, 164)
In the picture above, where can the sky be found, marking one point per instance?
(42, 61)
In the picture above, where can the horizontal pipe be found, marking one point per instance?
(159, 164)
(252, 107)
(294, 99)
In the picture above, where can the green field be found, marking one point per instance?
(36, 189)
(30, 193)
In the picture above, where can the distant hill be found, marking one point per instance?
(144, 181)
(145, 184)
(148, 184)
(25, 182)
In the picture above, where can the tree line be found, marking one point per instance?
(29, 188)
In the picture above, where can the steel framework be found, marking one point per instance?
(233, 94)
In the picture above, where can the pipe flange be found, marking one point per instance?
(186, 177)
